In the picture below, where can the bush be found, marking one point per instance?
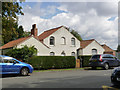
(22, 53)
(50, 62)
(85, 60)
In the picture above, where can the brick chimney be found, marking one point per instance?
(34, 30)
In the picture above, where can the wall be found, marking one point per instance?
(42, 49)
(58, 48)
(94, 45)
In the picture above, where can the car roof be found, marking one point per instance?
(6, 57)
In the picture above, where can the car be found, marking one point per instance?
(104, 60)
(115, 77)
(10, 65)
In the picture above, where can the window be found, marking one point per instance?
(73, 53)
(73, 41)
(52, 54)
(94, 51)
(52, 40)
(63, 53)
(10, 61)
(63, 41)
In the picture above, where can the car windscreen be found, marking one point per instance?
(95, 56)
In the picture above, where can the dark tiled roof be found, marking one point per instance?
(107, 48)
(47, 33)
(85, 43)
(13, 43)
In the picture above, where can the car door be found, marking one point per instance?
(1, 63)
(114, 62)
(10, 67)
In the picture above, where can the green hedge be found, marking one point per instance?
(49, 62)
(85, 60)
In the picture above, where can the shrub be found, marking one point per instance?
(22, 53)
(85, 60)
(50, 62)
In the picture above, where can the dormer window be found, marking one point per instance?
(52, 40)
(73, 41)
(63, 41)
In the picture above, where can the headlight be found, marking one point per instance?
(31, 66)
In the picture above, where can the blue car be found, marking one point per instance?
(9, 65)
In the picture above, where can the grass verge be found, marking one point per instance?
(58, 69)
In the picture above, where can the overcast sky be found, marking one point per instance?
(92, 20)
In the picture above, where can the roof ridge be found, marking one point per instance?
(89, 40)
(53, 28)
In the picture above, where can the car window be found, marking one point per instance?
(9, 61)
(106, 56)
(95, 56)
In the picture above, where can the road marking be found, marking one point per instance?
(107, 88)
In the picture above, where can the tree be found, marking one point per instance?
(20, 32)
(22, 53)
(10, 10)
(25, 34)
(75, 33)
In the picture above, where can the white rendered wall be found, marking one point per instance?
(42, 49)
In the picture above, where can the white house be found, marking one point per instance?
(90, 47)
(56, 42)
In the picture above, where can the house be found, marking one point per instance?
(57, 42)
(108, 50)
(54, 42)
(90, 47)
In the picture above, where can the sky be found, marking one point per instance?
(92, 20)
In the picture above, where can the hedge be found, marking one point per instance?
(50, 62)
(85, 60)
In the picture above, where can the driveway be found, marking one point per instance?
(61, 79)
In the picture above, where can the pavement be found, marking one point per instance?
(61, 79)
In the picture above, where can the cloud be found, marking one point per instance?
(90, 20)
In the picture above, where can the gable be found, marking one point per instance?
(32, 42)
(94, 45)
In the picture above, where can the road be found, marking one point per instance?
(61, 79)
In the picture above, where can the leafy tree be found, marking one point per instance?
(76, 34)
(10, 10)
(25, 34)
(20, 32)
(22, 53)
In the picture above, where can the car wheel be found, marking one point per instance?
(106, 66)
(24, 71)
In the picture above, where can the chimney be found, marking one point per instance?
(34, 30)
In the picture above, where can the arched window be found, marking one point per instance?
(63, 53)
(52, 54)
(73, 54)
(72, 41)
(63, 41)
(94, 51)
(52, 40)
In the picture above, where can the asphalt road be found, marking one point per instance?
(61, 79)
